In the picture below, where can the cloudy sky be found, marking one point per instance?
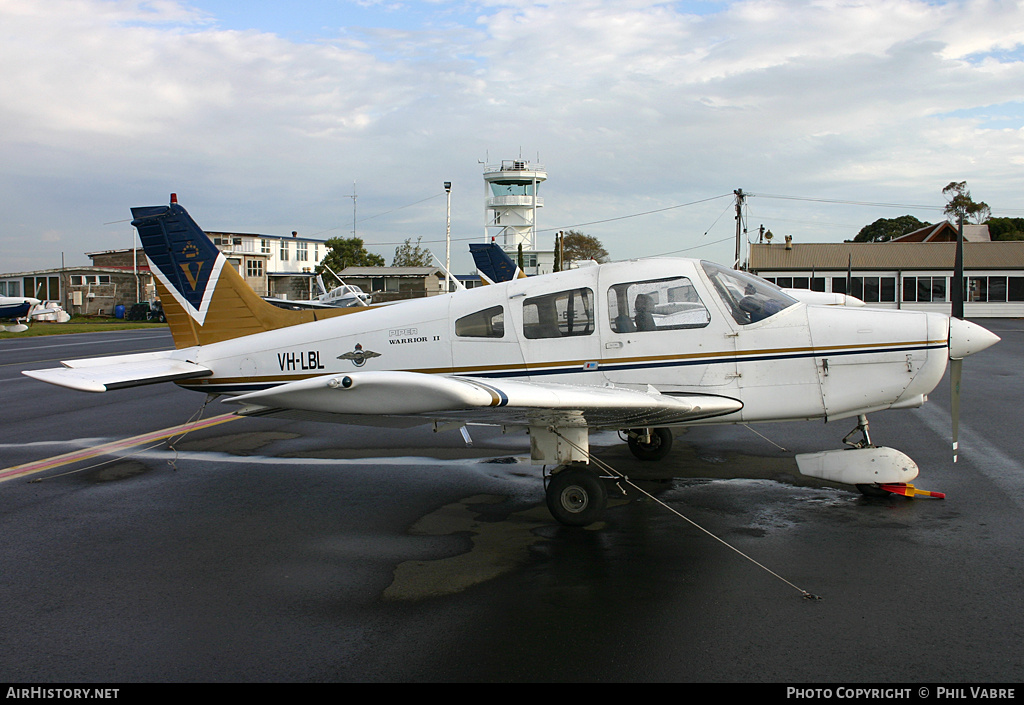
(267, 116)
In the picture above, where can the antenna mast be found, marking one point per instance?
(353, 197)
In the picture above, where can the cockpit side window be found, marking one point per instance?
(657, 304)
(559, 315)
(749, 299)
(489, 323)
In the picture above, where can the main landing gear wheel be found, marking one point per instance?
(576, 496)
(655, 447)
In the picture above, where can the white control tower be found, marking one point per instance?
(511, 203)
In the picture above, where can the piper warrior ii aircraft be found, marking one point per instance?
(639, 347)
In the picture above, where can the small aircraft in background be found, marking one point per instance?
(27, 308)
(341, 296)
(639, 347)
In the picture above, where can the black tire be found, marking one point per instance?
(576, 497)
(658, 448)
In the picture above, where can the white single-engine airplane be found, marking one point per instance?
(639, 347)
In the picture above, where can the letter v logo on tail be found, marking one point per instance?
(193, 279)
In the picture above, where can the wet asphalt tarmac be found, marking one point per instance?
(261, 550)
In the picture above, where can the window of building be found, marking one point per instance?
(88, 279)
(489, 323)
(283, 254)
(301, 252)
(10, 288)
(661, 304)
(43, 288)
(983, 289)
(254, 268)
(1015, 288)
(559, 315)
(264, 247)
(868, 289)
(924, 289)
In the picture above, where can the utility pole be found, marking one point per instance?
(740, 197)
(448, 240)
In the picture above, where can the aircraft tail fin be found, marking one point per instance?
(493, 264)
(204, 298)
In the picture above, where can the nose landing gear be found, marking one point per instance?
(649, 443)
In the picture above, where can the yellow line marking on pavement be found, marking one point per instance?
(112, 447)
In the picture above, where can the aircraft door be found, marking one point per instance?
(558, 329)
(661, 332)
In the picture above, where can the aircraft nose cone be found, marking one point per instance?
(966, 338)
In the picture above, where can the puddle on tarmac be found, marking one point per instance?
(498, 547)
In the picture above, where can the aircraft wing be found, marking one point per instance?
(295, 305)
(101, 374)
(360, 397)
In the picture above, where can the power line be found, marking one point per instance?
(635, 215)
(378, 215)
(847, 203)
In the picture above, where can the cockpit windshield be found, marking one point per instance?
(748, 298)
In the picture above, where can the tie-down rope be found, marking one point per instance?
(608, 468)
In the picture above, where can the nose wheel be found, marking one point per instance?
(649, 443)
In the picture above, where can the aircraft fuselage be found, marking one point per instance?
(677, 325)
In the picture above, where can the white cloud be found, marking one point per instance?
(632, 106)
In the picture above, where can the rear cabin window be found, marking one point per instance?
(489, 323)
(659, 304)
(559, 315)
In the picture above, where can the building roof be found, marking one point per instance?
(73, 269)
(885, 255)
(946, 232)
(262, 236)
(390, 272)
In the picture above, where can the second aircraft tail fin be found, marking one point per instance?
(493, 264)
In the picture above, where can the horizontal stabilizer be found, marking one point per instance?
(102, 374)
(485, 401)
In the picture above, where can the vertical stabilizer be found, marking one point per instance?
(493, 264)
(205, 299)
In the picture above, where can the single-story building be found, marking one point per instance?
(396, 283)
(901, 274)
(81, 290)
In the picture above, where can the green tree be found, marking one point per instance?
(959, 204)
(557, 267)
(409, 255)
(347, 252)
(1006, 228)
(885, 229)
(576, 246)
